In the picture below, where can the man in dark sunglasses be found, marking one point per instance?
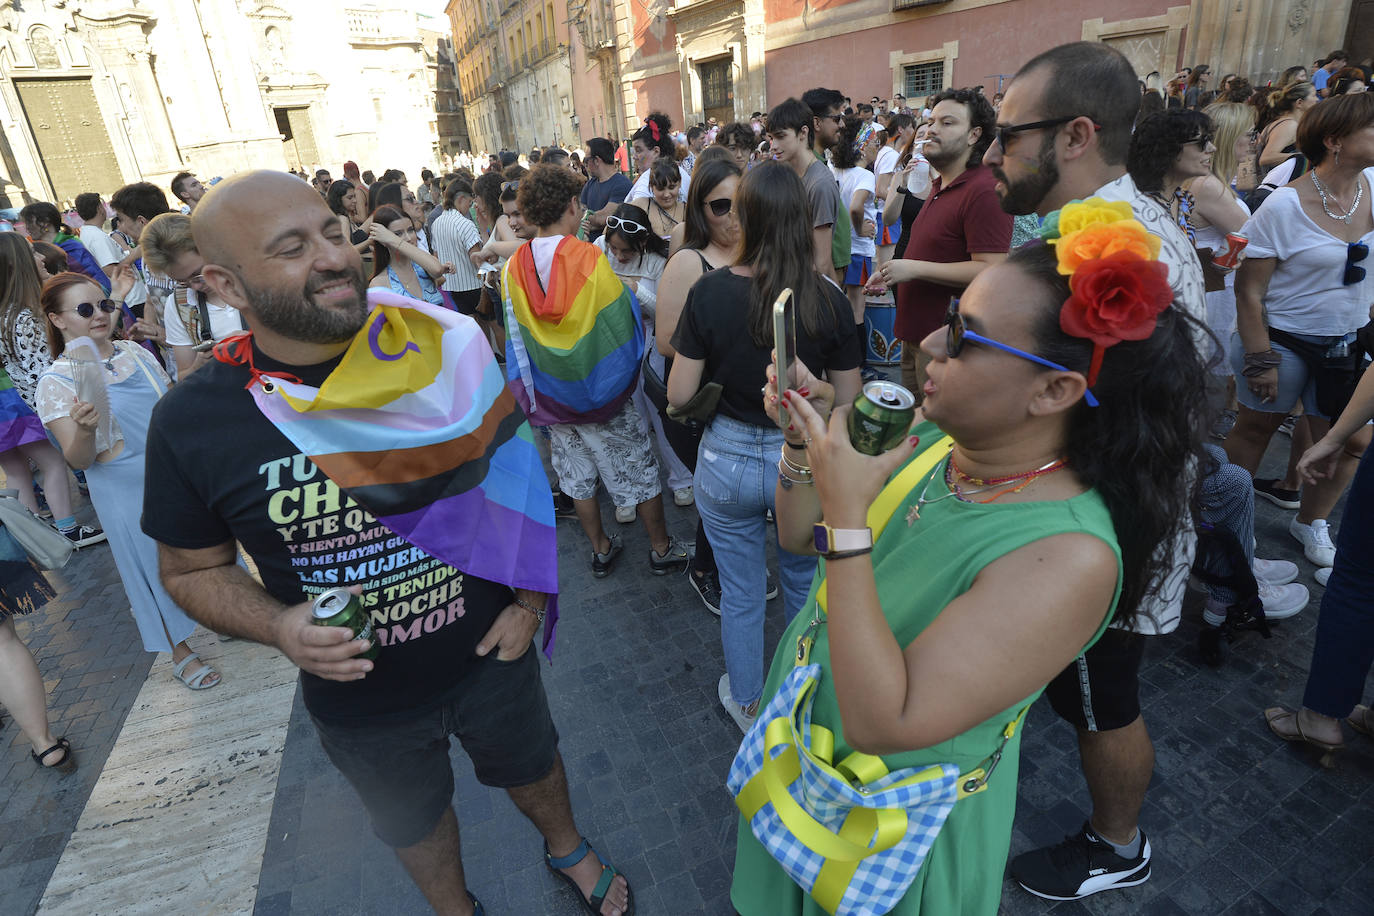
(1063, 133)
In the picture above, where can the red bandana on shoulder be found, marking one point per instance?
(237, 350)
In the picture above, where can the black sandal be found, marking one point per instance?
(66, 765)
(603, 884)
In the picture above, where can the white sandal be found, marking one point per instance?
(197, 680)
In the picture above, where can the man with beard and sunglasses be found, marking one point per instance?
(455, 654)
(1063, 134)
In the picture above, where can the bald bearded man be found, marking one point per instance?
(274, 251)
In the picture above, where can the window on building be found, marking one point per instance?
(717, 88)
(923, 79)
(548, 17)
(539, 27)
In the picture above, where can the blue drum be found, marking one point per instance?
(881, 347)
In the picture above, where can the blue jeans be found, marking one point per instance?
(736, 475)
(1344, 650)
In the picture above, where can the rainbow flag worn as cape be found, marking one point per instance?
(573, 350)
(418, 426)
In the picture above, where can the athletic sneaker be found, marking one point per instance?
(1286, 427)
(1274, 572)
(707, 587)
(1280, 602)
(683, 496)
(1316, 541)
(744, 720)
(672, 559)
(1268, 487)
(624, 514)
(601, 562)
(84, 536)
(1322, 576)
(869, 374)
(770, 588)
(1080, 866)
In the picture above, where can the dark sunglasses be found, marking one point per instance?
(1006, 134)
(1201, 141)
(87, 309)
(1354, 254)
(511, 185)
(721, 205)
(958, 334)
(627, 226)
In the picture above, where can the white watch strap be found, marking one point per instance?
(844, 539)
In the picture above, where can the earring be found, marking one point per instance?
(1336, 157)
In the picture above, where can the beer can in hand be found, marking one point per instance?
(339, 607)
(881, 417)
(1230, 258)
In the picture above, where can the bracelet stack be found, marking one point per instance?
(1261, 362)
(790, 473)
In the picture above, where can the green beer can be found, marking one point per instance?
(881, 417)
(339, 607)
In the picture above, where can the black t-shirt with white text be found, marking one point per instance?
(218, 470)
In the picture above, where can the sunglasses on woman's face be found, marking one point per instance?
(628, 226)
(1354, 254)
(721, 206)
(87, 309)
(958, 334)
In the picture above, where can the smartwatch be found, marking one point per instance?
(837, 543)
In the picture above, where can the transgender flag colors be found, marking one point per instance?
(573, 350)
(418, 426)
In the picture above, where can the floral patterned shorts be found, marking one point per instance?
(617, 451)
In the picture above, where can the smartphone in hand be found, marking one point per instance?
(785, 348)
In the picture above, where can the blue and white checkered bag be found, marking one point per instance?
(851, 834)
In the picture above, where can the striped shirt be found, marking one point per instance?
(452, 238)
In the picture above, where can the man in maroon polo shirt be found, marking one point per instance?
(960, 230)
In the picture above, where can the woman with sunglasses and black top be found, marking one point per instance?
(110, 449)
(1302, 293)
(725, 334)
(710, 235)
(638, 256)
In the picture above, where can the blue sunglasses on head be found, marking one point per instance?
(959, 334)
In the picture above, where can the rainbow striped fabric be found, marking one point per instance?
(573, 350)
(417, 425)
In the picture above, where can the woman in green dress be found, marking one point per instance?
(1032, 534)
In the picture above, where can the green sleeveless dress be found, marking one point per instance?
(919, 570)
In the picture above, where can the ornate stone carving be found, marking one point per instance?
(1299, 16)
(44, 52)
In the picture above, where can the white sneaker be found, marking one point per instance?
(1323, 576)
(683, 497)
(1274, 572)
(1214, 612)
(1316, 541)
(625, 514)
(1282, 601)
(742, 719)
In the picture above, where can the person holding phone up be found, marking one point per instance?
(725, 334)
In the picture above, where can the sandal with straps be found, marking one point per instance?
(66, 765)
(1275, 714)
(603, 884)
(197, 680)
(1362, 720)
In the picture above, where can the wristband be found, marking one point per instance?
(903, 189)
(846, 554)
(536, 611)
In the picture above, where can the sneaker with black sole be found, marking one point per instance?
(602, 562)
(770, 588)
(1268, 487)
(707, 587)
(1082, 865)
(84, 536)
(671, 560)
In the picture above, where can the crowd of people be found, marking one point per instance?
(1109, 298)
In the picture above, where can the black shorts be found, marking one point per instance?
(401, 770)
(465, 300)
(1100, 690)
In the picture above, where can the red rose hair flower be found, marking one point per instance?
(1116, 298)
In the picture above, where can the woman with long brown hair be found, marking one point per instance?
(725, 334)
(1278, 122)
(399, 264)
(25, 357)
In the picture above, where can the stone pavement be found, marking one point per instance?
(1240, 822)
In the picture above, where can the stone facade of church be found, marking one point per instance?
(98, 93)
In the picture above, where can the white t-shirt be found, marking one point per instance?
(885, 163)
(1306, 295)
(851, 181)
(106, 251)
(1163, 609)
(641, 186)
(224, 320)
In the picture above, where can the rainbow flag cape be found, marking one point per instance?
(573, 350)
(418, 426)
